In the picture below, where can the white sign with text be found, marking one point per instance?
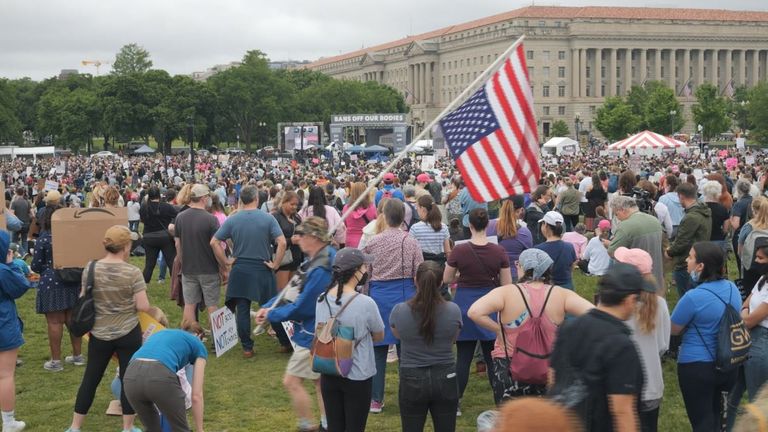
(224, 330)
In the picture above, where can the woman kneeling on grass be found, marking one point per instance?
(151, 378)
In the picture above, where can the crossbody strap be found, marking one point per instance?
(91, 281)
(342, 307)
(496, 282)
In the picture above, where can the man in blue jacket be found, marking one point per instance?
(298, 306)
(389, 190)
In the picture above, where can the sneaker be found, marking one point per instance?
(133, 429)
(53, 366)
(14, 426)
(19, 362)
(75, 360)
(458, 409)
(376, 407)
(248, 354)
(161, 281)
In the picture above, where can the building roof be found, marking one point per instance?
(568, 13)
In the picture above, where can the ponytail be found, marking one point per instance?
(339, 278)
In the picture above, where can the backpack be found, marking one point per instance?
(414, 215)
(748, 250)
(613, 183)
(386, 193)
(530, 361)
(333, 344)
(733, 338)
(84, 312)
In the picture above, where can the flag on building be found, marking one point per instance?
(688, 89)
(728, 91)
(493, 136)
(408, 97)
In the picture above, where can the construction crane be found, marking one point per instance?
(96, 63)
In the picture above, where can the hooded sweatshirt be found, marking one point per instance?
(357, 220)
(12, 286)
(695, 226)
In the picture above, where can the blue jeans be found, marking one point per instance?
(432, 390)
(163, 266)
(752, 375)
(380, 354)
(683, 281)
(243, 321)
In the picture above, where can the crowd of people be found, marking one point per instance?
(411, 269)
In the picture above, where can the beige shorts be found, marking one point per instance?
(300, 364)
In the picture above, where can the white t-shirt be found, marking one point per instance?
(651, 346)
(598, 257)
(133, 211)
(584, 185)
(759, 297)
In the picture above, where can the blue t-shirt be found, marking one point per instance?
(21, 266)
(173, 348)
(563, 255)
(702, 309)
(252, 233)
(396, 193)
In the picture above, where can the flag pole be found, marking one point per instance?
(372, 184)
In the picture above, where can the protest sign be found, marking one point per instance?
(749, 160)
(741, 143)
(353, 157)
(29, 171)
(288, 326)
(224, 330)
(274, 163)
(77, 234)
(149, 325)
(51, 185)
(427, 162)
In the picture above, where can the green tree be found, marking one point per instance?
(710, 111)
(639, 98)
(126, 103)
(131, 58)
(738, 108)
(559, 129)
(663, 112)
(72, 116)
(10, 126)
(26, 93)
(758, 113)
(615, 119)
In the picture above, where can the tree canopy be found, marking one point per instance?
(710, 111)
(131, 58)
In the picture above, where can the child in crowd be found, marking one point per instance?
(18, 263)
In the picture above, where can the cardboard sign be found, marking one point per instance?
(77, 234)
(288, 326)
(427, 163)
(51, 185)
(224, 330)
(149, 326)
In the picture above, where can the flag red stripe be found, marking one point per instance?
(494, 158)
(525, 106)
(469, 181)
(519, 174)
(483, 174)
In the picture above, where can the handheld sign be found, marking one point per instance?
(224, 330)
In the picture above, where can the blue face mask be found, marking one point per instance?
(695, 275)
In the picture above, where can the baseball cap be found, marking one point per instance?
(52, 196)
(423, 178)
(199, 191)
(536, 260)
(604, 225)
(552, 218)
(350, 258)
(119, 235)
(518, 201)
(389, 177)
(637, 257)
(315, 227)
(623, 277)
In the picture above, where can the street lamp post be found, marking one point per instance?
(190, 139)
(672, 115)
(262, 125)
(577, 122)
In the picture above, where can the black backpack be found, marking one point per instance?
(84, 312)
(733, 338)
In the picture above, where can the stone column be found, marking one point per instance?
(424, 88)
(740, 67)
(611, 71)
(700, 68)
(642, 73)
(411, 83)
(627, 70)
(598, 80)
(575, 85)
(419, 97)
(671, 64)
(686, 67)
(714, 62)
(583, 72)
(657, 65)
(764, 63)
(728, 67)
(754, 79)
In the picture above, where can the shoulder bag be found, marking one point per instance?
(84, 311)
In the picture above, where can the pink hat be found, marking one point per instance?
(604, 225)
(389, 177)
(637, 257)
(423, 178)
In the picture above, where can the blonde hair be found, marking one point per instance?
(647, 308)
(536, 414)
(759, 219)
(111, 196)
(355, 191)
(158, 315)
(185, 194)
(381, 221)
(507, 225)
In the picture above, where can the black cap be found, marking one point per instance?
(350, 258)
(626, 278)
(518, 201)
(761, 242)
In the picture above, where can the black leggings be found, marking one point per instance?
(346, 403)
(703, 387)
(154, 243)
(465, 353)
(99, 354)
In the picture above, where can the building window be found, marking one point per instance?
(602, 91)
(545, 110)
(545, 72)
(602, 71)
(561, 110)
(558, 24)
(592, 109)
(707, 75)
(618, 89)
(530, 71)
(530, 55)
(589, 91)
(489, 57)
(561, 54)
(461, 63)
(561, 91)
(474, 61)
(561, 72)
(663, 74)
(545, 91)
(542, 23)
(481, 59)
(588, 72)
(545, 56)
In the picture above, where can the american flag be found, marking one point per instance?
(492, 136)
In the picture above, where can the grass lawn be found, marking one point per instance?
(240, 394)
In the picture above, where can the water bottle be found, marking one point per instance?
(486, 421)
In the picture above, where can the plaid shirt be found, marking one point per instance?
(396, 255)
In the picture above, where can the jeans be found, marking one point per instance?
(153, 245)
(150, 384)
(346, 403)
(99, 355)
(649, 420)
(703, 388)
(465, 353)
(432, 389)
(243, 322)
(20, 238)
(380, 354)
(683, 281)
(570, 222)
(133, 225)
(752, 375)
(163, 266)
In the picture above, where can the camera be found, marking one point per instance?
(643, 199)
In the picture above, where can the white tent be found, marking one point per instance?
(561, 146)
(14, 151)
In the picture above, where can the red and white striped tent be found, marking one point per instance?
(647, 140)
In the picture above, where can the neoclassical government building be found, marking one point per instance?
(576, 57)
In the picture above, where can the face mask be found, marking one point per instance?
(695, 275)
(363, 279)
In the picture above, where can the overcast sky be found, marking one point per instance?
(38, 38)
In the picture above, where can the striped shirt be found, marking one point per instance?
(430, 241)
